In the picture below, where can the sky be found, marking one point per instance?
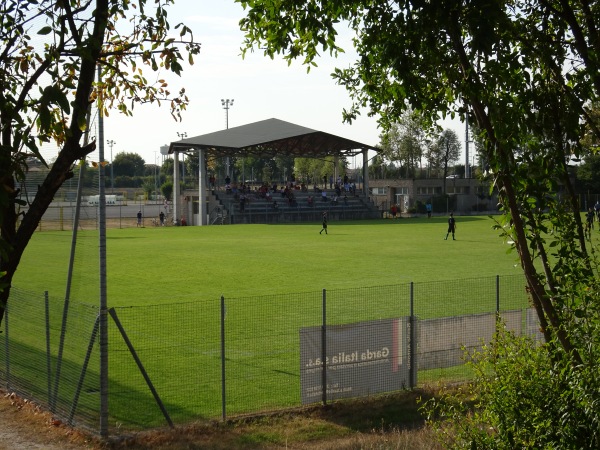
(260, 88)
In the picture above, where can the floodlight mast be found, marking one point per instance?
(182, 135)
(110, 143)
(226, 104)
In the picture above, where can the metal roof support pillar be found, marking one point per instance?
(176, 189)
(202, 220)
(365, 170)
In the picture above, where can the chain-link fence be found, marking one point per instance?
(179, 362)
(61, 216)
(48, 355)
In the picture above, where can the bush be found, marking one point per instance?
(524, 395)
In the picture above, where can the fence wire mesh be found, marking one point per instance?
(34, 336)
(207, 359)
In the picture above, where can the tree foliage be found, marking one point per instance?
(404, 142)
(444, 152)
(449, 145)
(526, 73)
(50, 52)
(128, 164)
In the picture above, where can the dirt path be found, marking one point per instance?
(23, 425)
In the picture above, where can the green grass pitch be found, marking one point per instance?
(166, 265)
(188, 269)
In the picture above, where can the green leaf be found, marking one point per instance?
(45, 30)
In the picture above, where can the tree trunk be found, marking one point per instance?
(61, 170)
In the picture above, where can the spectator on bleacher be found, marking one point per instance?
(324, 196)
(345, 200)
(335, 200)
(310, 200)
(275, 205)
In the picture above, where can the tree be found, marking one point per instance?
(447, 149)
(403, 142)
(525, 72)
(167, 190)
(128, 164)
(443, 152)
(51, 52)
(284, 166)
(167, 168)
(251, 167)
(588, 174)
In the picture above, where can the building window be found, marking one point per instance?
(429, 190)
(379, 191)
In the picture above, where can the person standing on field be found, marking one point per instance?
(589, 221)
(324, 223)
(139, 218)
(451, 227)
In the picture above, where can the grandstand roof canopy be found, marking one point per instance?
(269, 138)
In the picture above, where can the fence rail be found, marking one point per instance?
(179, 362)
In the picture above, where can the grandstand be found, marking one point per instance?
(225, 207)
(263, 139)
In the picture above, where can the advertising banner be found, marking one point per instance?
(360, 359)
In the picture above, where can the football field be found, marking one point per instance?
(155, 265)
(166, 285)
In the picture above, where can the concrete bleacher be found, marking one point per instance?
(260, 210)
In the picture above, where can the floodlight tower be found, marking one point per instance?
(227, 103)
(110, 142)
(182, 135)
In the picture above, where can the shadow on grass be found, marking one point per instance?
(26, 374)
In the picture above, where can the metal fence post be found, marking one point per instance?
(7, 346)
(83, 371)
(137, 360)
(48, 357)
(412, 337)
(223, 402)
(324, 348)
(497, 293)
